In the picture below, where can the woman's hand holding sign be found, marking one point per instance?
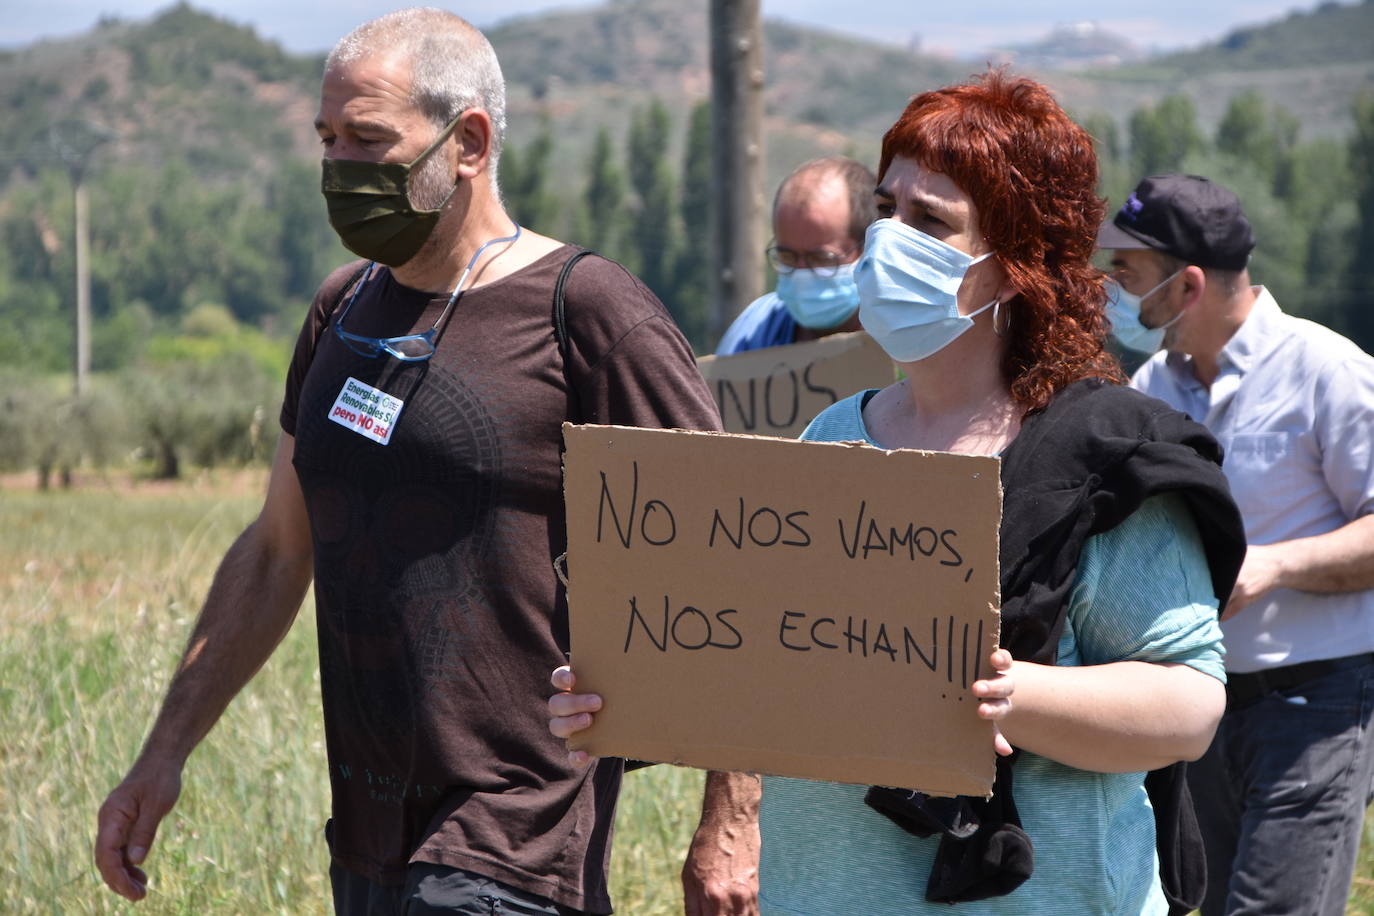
(994, 697)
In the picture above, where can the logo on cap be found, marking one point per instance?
(1132, 207)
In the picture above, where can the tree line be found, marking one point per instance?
(652, 215)
(198, 285)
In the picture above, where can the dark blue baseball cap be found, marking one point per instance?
(1186, 216)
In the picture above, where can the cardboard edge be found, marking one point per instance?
(579, 429)
(941, 781)
(828, 347)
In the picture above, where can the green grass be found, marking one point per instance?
(97, 590)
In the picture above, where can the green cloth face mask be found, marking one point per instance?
(369, 205)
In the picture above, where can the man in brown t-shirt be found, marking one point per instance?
(418, 480)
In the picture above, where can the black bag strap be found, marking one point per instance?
(343, 291)
(334, 306)
(560, 333)
(560, 328)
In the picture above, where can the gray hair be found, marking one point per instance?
(453, 66)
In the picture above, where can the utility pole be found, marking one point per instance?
(83, 287)
(736, 157)
(75, 150)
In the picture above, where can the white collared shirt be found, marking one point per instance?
(1293, 406)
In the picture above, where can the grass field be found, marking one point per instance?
(97, 590)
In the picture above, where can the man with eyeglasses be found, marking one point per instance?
(1281, 793)
(418, 482)
(820, 214)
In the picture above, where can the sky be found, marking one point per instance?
(957, 28)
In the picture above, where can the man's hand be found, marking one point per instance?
(721, 874)
(570, 713)
(128, 822)
(1260, 574)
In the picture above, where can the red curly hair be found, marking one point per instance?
(1032, 175)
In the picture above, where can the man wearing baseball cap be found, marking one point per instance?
(1281, 793)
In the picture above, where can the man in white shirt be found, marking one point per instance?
(1281, 793)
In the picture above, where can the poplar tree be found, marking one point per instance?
(694, 256)
(1163, 136)
(605, 199)
(654, 224)
(1360, 288)
(523, 177)
(1252, 132)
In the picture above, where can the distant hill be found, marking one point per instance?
(1075, 47)
(1333, 33)
(825, 92)
(1313, 63)
(830, 93)
(186, 84)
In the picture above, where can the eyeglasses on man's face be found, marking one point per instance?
(823, 261)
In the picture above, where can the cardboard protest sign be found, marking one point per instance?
(777, 390)
(797, 608)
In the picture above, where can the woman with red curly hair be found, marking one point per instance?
(1033, 172)
(1118, 534)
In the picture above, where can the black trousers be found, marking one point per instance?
(436, 889)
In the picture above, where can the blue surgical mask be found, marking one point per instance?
(908, 285)
(1123, 311)
(819, 302)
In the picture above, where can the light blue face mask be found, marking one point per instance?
(908, 286)
(819, 302)
(1123, 311)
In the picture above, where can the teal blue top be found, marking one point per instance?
(1143, 592)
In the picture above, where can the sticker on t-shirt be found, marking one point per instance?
(366, 410)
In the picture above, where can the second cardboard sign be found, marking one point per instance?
(777, 390)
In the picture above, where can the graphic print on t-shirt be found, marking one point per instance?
(398, 536)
